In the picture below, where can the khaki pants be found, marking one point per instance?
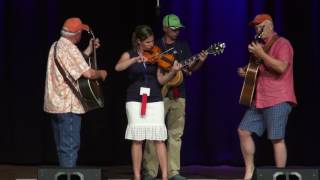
(175, 120)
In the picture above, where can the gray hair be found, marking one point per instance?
(65, 33)
(269, 22)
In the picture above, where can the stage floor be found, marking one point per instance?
(13, 172)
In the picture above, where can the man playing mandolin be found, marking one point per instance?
(274, 94)
(67, 64)
(174, 101)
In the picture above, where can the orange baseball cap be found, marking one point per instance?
(259, 19)
(74, 25)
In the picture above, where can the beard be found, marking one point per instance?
(173, 37)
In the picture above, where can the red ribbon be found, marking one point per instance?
(144, 100)
(176, 93)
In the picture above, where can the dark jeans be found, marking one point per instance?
(66, 129)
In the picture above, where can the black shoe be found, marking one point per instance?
(177, 177)
(148, 177)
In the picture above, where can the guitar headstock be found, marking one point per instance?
(216, 48)
(90, 32)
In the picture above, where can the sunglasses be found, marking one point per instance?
(174, 28)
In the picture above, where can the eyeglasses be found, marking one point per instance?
(175, 29)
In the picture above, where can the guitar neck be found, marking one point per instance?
(93, 57)
(94, 60)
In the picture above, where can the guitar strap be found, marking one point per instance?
(68, 81)
(269, 45)
(266, 48)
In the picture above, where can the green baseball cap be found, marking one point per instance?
(172, 21)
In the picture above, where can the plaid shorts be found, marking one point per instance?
(273, 118)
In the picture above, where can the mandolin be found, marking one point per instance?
(214, 49)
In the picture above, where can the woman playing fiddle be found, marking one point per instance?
(144, 104)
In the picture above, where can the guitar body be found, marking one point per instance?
(91, 92)
(249, 84)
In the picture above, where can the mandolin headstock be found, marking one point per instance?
(216, 48)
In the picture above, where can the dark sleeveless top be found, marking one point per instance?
(139, 76)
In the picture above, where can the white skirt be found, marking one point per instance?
(151, 126)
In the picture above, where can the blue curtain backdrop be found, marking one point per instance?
(29, 27)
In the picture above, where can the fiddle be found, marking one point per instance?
(163, 59)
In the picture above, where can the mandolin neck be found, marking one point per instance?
(192, 59)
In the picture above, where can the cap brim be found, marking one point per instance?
(253, 23)
(85, 27)
(176, 27)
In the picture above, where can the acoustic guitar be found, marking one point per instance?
(91, 89)
(252, 70)
(214, 49)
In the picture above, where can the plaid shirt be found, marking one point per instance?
(59, 97)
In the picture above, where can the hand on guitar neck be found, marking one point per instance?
(91, 47)
(256, 49)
